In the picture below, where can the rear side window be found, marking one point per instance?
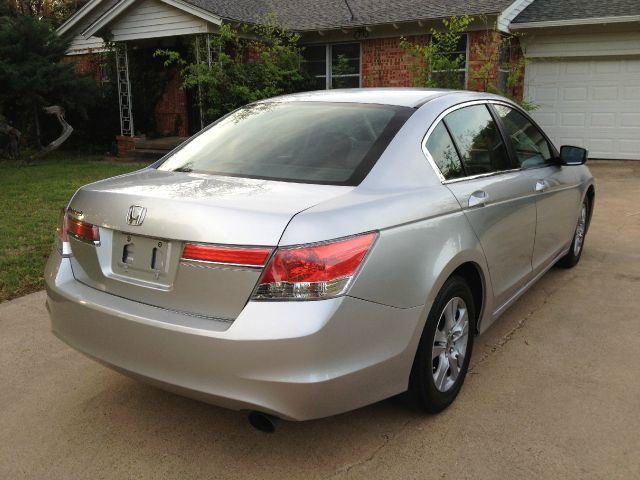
(443, 152)
(478, 140)
(308, 142)
(532, 149)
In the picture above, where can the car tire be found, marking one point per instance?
(577, 244)
(438, 369)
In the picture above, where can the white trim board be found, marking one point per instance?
(73, 19)
(123, 5)
(576, 21)
(510, 13)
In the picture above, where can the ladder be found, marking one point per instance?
(124, 90)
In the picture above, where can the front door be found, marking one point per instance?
(557, 198)
(498, 202)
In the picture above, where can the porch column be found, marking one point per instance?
(203, 55)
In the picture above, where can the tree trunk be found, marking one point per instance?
(36, 122)
(66, 130)
(12, 148)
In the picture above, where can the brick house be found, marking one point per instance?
(368, 34)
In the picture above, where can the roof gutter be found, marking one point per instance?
(575, 22)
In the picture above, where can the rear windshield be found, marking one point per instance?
(308, 142)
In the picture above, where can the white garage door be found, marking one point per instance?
(591, 103)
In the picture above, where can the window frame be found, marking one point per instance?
(328, 69)
(507, 141)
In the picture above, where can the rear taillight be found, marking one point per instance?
(62, 241)
(82, 230)
(62, 226)
(313, 272)
(242, 256)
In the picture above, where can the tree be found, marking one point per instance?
(33, 75)
(435, 64)
(498, 65)
(247, 65)
(56, 11)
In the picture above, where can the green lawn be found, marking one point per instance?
(31, 197)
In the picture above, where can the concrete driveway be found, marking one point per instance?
(554, 392)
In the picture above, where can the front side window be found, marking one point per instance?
(478, 140)
(308, 142)
(532, 148)
(443, 152)
(335, 65)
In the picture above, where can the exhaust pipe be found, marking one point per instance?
(264, 422)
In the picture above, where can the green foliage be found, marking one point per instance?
(499, 68)
(434, 65)
(247, 65)
(55, 11)
(342, 67)
(32, 74)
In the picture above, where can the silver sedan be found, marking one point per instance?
(314, 253)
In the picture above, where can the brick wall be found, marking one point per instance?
(125, 145)
(385, 63)
(171, 110)
(484, 50)
(88, 64)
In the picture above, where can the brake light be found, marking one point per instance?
(313, 272)
(82, 231)
(250, 257)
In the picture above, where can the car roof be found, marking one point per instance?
(403, 97)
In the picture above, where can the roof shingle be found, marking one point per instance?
(301, 15)
(549, 10)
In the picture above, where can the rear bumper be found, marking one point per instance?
(297, 360)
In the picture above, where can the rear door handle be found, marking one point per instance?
(541, 185)
(478, 199)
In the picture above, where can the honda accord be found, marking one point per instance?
(314, 253)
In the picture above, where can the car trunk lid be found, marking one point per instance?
(143, 262)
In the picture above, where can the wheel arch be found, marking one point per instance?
(591, 195)
(471, 266)
(472, 274)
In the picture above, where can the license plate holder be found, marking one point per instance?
(141, 258)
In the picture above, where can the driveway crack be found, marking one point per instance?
(506, 338)
(386, 439)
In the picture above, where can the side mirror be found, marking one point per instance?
(573, 155)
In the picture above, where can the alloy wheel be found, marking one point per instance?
(580, 230)
(450, 344)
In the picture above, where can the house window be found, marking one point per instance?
(460, 79)
(105, 73)
(334, 66)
